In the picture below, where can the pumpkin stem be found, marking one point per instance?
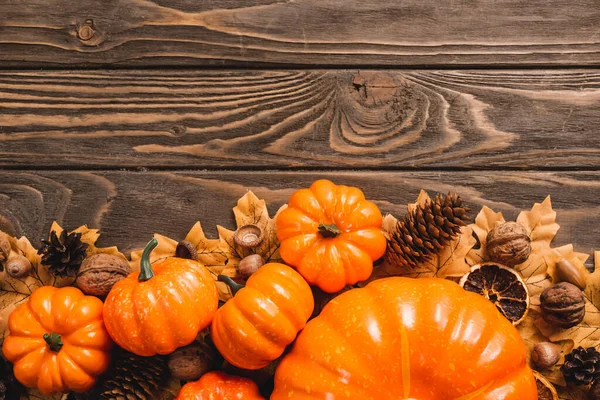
(234, 286)
(329, 230)
(145, 268)
(54, 341)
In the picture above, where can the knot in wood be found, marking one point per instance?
(86, 31)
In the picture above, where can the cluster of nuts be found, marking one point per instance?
(16, 265)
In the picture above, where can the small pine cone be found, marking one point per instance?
(63, 254)
(582, 366)
(426, 230)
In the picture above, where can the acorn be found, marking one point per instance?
(250, 264)
(187, 250)
(18, 267)
(248, 236)
(567, 272)
(545, 355)
(4, 247)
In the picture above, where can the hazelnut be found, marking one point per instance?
(250, 264)
(191, 362)
(99, 272)
(4, 247)
(567, 272)
(187, 250)
(508, 244)
(562, 305)
(18, 266)
(248, 236)
(544, 355)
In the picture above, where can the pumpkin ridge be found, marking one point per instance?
(135, 296)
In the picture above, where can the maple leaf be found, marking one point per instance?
(89, 236)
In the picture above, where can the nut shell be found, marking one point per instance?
(562, 305)
(4, 247)
(567, 272)
(18, 266)
(544, 355)
(189, 363)
(508, 244)
(248, 236)
(99, 272)
(250, 264)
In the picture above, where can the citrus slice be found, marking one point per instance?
(546, 390)
(502, 286)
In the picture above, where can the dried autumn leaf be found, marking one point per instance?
(89, 236)
(486, 220)
(540, 224)
(165, 248)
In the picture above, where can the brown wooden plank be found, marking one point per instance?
(307, 32)
(285, 119)
(129, 206)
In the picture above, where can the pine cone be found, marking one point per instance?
(582, 366)
(10, 388)
(63, 255)
(130, 377)
(426, 230)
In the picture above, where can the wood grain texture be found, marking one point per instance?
(286, 119)
(307, 32)
(129, 207)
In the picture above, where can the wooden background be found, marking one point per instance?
(140, 116)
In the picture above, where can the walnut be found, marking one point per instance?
(544, 355)
(508, 244)
(99, 272)
(4, 247)
(18, 266)
(563, 305)
(191, 362)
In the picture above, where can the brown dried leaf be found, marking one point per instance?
(540, 224)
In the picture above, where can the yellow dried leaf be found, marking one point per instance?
(486, 220)
(388, 225)
(90, 237)
(165, 248)
(540, 224)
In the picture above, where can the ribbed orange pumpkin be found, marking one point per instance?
(331, 234)
(57, 340)
(255, 326)
(218, 385)
(401, 338)
(162, 307)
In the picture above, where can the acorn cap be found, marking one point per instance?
(187, 250)
(248, 236)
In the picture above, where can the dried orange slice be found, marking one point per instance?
(503, 286)
(546, 390)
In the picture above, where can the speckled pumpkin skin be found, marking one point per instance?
(401, 338)
(218, 385)
(262, 319)
(164, 313)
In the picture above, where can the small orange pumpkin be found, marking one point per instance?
(255, 326)
(331, 235)
(402, 338)
(161, 307)
(57, 341)
(218, 385)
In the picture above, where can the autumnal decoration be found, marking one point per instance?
(546, 390)
(10, 387)
(189, 363)
(502, 286)
(185, 249)
(248, 236)
(508, 244)
(220, 386)
(57, 341)
(425, 230)
(133, 377)
(545, 355)
(162, 307)
(388, 339)
(18, 267)
(331, 234)
(567, 272)
(63, 253)
(562, 305)
(582, 366)
(99, 272)
(5, 247)
(253, 328)
(249, 265)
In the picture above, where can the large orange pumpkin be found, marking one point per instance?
(255, 326)
(400, 338)
(331, 235)
(218, 385)
(57, 341)
(161, 307)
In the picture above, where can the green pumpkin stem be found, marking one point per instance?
(146, 272)
(54, 341)
(329, 230)
(234, 286)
